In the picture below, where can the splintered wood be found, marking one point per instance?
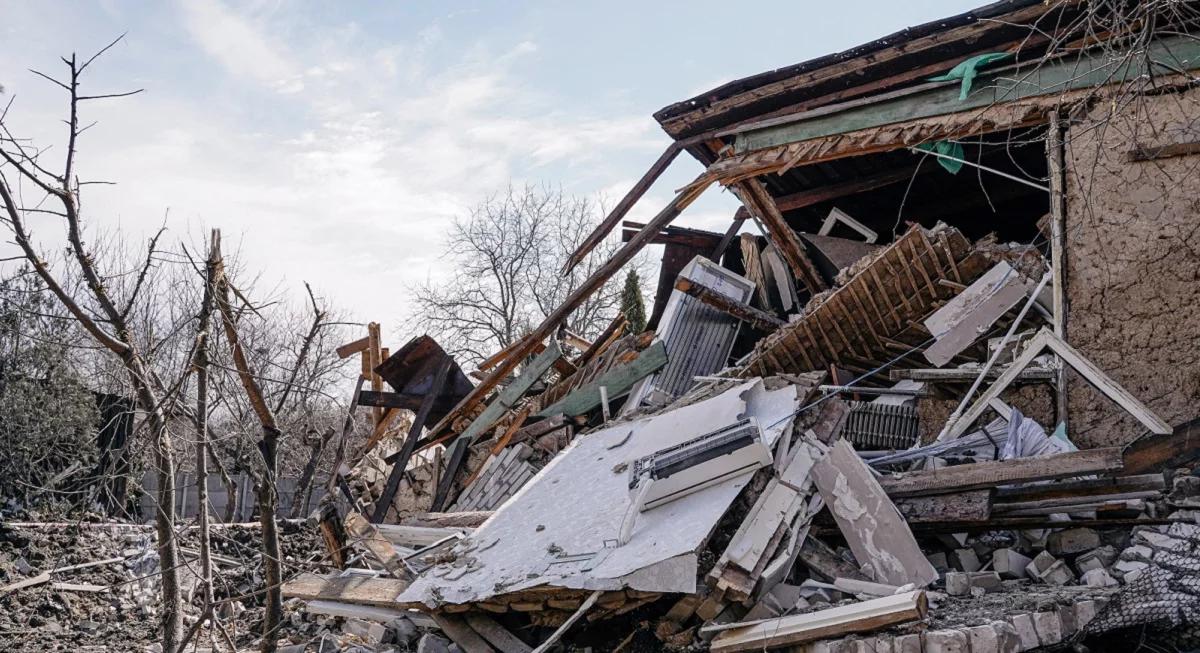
(875, 315)
(873, 527)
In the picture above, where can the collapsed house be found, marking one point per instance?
(940, 401)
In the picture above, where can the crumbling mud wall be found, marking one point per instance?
(1133, 261)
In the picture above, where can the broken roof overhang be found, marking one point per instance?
(906, 56)
(1012, 83)
(560, 529)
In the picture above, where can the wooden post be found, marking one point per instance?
(374, 360)
(1055, 157)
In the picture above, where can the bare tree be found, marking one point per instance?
(507, 257)
(97, 310)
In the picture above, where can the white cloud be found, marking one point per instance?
(238, 45)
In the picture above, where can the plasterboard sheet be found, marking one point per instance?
(973, 311)
(561, 528)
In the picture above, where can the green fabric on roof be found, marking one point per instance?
(968, 69)
(948, 148)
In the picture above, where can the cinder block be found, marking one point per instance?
(1026, 632)
(1099, 558)
(1007, 640)
(1098, 578)
(1009, 563)
(862, 645)
(907, 644)
(964, 560)
(939, 561)
(1085, 611)
(1058, 574)
(1066, 617)
(957, 583)
(884, 644)
(1048, 627)
(1072, 541)
(983, 639)
(945, 641)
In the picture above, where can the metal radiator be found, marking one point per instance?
(876, 426)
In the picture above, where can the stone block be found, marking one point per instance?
(1098, 578)
(403, 631)
(1041, 562)
(958, 583)
(983, 639)
(1126, 567)
(1098, 558)
(945, 641)
(430, 643)
(964, 560)
(1009, 563)
(939, 561)
(1085, 611)
(885, 644)
(1026, 634)
(1058, 574)
(1048, 627)
(368, 631)
(1072, 541)
(907, 644)
(861, 645)
(1007, 640)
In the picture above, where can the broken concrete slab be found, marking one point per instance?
(1072, 541)
(873, 527)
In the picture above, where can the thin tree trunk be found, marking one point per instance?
(206, 570)
(304, 487)
(164, 518)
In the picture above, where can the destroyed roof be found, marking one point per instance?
(811, 83)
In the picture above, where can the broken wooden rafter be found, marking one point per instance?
(399, 400)
(960, 478)
(843, 620)
(617, 381)
(760, 320)
(598, 278)
(351, 348)
(1045, 339)
(761, 205)
(614, 217)
(369, 537)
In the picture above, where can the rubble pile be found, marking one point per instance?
(737, 504)
(95, 586)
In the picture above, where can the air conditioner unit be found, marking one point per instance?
(691, 466)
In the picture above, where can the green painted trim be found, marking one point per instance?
(586, 398)
(1006, 85)
(512, 392)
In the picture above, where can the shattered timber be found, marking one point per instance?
(944, 402)
(934, 389)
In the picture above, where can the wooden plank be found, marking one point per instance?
(400, 462)
(1161, 452)
(374, 357)
(32, 581)
(972, 506)
(862, 617)
(1008, 84)
(566, 625)
(617, 380)
(1031, 375)
(365, 590)
(869, 520)
(615, 216)
(1055, 160)
(970, 314)
(610, 333)
(78, 587)
(823, 562)
(462, 634)
(351, 348)
(1141, 152)
(1087, 487)
(959, 478)
(585, 289)
(496, 635)
(760, 320)
(366, 534)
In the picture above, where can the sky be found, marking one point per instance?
(333, 142)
